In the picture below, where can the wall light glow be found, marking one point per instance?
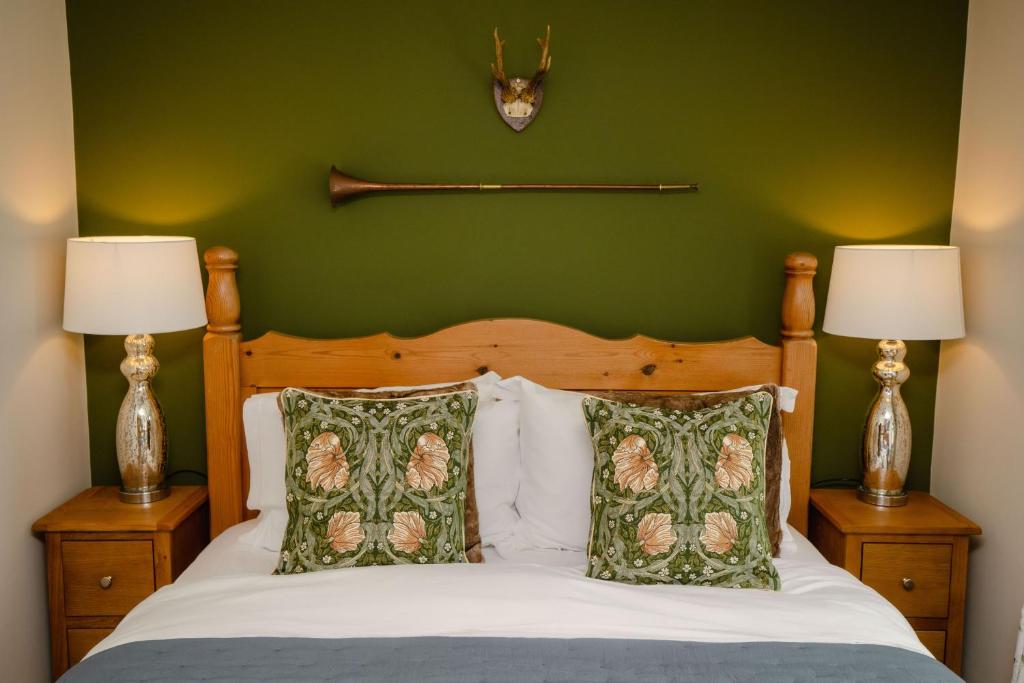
(43, 189)
(168, 188)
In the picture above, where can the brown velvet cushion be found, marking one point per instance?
(773, 446)
(474, 552)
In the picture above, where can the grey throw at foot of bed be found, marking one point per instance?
(500, 660)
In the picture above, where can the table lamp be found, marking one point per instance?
(135, 286)
(892, 293)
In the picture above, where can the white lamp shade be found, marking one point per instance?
(133, 285)
(895, 292)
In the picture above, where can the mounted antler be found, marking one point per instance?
(498, 69)
(542, 68)
(518, 100)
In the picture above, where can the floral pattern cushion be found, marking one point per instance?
(373, 480)
(773, 444)
(679, 496)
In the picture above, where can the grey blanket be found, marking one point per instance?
(500, 660)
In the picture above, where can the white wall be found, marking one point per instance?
(978, 457)
(43, 433)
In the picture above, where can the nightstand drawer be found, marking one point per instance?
(935, 641)
(87, 565)
(81, 640)
(913, 576)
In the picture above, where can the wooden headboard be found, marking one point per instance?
(547, 353)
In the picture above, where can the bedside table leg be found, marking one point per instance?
(55, 590)
(957, 599)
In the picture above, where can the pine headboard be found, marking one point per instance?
(548, 353)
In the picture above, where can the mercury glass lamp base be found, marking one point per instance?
(886, 449)
(144, 496)
(141, 437)
(885, 500)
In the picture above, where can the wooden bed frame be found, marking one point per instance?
(547, 353)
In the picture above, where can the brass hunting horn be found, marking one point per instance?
(344, 186)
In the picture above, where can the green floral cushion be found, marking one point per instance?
(679, 497)
(376, 480)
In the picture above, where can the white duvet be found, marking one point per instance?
(228, 592)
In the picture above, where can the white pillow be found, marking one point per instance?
(785, 495)
(558, 464)
(496, 465)
(265, 448)
(268, 532)
(495, 453)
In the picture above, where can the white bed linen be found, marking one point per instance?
(228, 592)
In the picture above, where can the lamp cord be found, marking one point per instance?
(195, 472)
(836, 483)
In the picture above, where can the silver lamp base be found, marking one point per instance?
(149, 496)
(884, 499)
(886, 449)
(141, 431)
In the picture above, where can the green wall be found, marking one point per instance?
(808, 124)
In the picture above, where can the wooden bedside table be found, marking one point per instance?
(915, 556)
(104, 556)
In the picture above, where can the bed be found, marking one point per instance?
(519, 616)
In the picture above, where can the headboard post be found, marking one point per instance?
(799, 368)
(221, 377)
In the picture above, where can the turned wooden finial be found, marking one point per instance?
(798, 298)
(223, 306)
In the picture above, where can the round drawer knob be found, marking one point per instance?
(107, 581)
(908, 584)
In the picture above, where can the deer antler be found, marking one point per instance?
(498, 69)
(542, 68)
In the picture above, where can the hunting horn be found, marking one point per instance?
(343, 186)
